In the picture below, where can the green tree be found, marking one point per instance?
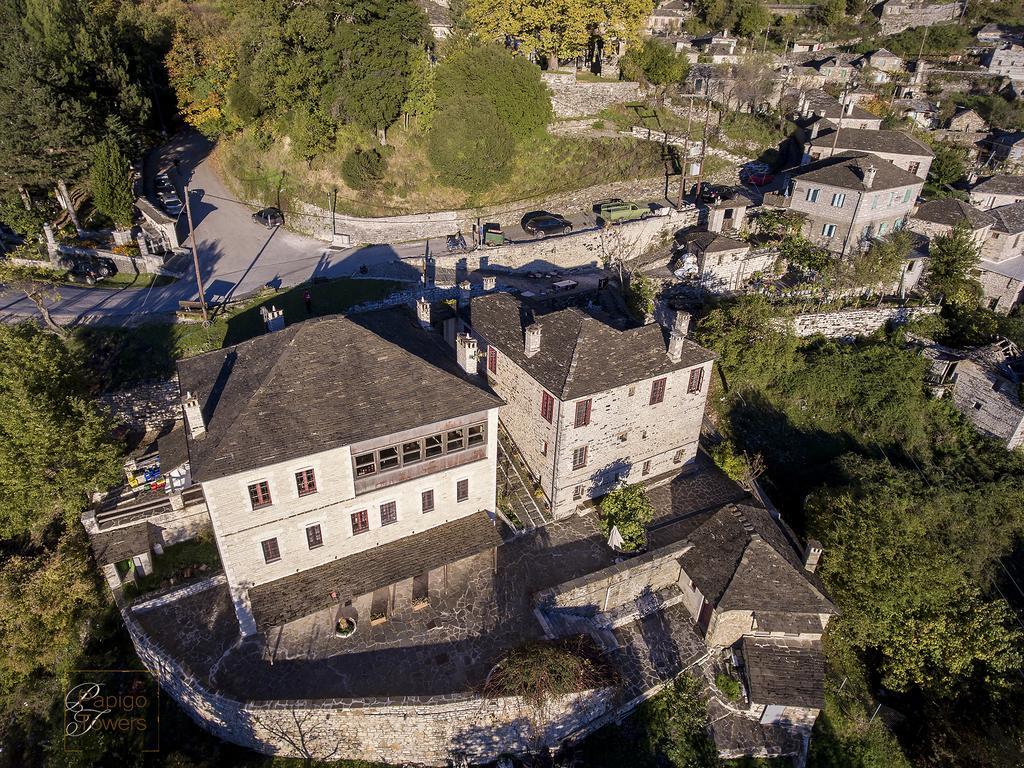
(557, 29)
(25, 220)
(54, 447)
(713, 12)
(879, 266)
(752, 17)
(628, 509)
(110, 178)
(952, 259)
(469, 146)
(830, 12)
(510, 84)
(312, 134)
(363, 169)
(655, 64)
(948, 167)
(640, 294)
(904, 560)
(677, 726)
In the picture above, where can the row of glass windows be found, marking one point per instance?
(360, 521)
(414, 451)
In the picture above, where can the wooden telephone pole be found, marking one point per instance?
(195, 257)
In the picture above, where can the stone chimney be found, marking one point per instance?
(490, 282)
(465, 352)
(814, 128)
(812, 555)
(273, 318)
(423, 312)
(194, 416)
(532, 346)
(465, 289)
(869, 176)
(848, 108)
(801, 105)
(677, 335)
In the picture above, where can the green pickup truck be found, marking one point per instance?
(620, 210)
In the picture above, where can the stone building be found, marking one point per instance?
(725, 265)
(900, 149)
(332, 438)
(1007, 61)
(984, 384)
(938, 217)
(1001, 267)
(997, 191)
(668, 17)
(591, 400)
(967, 121)
(819, 107)
(1008, 148)
(849, 198)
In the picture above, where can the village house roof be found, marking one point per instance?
(1000, 184)
(672, 9)
(120, 544)
(846, 170)
(712, 242)
(322, 384)
(784, 672)
(579, 354)
(950, 212)
(741, 559)
(292, 597)
(864, 140)
(1009, 139)
(1009, 218)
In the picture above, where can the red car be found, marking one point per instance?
(760, 179)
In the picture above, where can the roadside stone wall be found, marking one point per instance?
(427, 731)
(856, 322)
(573, 98)
(148, 405)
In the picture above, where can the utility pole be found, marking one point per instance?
(704, 141)
(839, 127)
(195, 257)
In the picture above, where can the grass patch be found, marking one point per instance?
(119, 357)
(543, 165)
(180, 563)
(729, 686)
(753, 132)
(131, 280)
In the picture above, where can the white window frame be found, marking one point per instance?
(838, 199)
(828, 230)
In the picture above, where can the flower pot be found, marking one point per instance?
(344, 627)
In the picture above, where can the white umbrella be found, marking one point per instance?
(615, 538)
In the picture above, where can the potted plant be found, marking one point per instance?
(344, 626)
(626, 511)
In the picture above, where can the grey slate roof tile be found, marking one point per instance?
(1000, 184)
(846, 171)
(1009, 218)
(784, 672)
(120, 543)
(950, 211)
(322, 384)
(866, 140)
(579, 354)
(291, 597)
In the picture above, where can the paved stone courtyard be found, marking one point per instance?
(475, 614)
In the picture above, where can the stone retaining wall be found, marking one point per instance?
(426, 731)
(573, 98)
(856, 322)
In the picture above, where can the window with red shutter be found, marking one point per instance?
(427, 500)
(696, 381)
(492, 359)
(271, 552)
(547, 406)
(657, 391)
(388, 513)
(360, 522)
(579, 458)
(305, 481)
(583, 413)
(259, 494)
(462, 490)
(314, 536)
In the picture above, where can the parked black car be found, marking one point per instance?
(269, 217)
(543, 223)
(708, 193)
(88, 269)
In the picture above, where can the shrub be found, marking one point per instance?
(730, 462)
(362, 170)
(541, 671)
(640, 296)
(110, 178)
(628, 509)
(729, 686)
(469, 145)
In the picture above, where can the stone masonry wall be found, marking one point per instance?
(856, 322)
(573, 98)
(147, 405)
(427, 731)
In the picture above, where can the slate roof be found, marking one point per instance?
(950, 212)
(1009, 218)
(1009, 139)
(579, 354)
(292, 597)
(846, 171)
(866, 140)
(791, 623)
(712, 242)
(120, 543)
(741, 559)
(832, 109)
(322, 384)
(1000, 184)
(784, 672)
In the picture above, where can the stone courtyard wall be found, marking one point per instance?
(428, 731)
(856, 322)
(573, 98)
(147, 405)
